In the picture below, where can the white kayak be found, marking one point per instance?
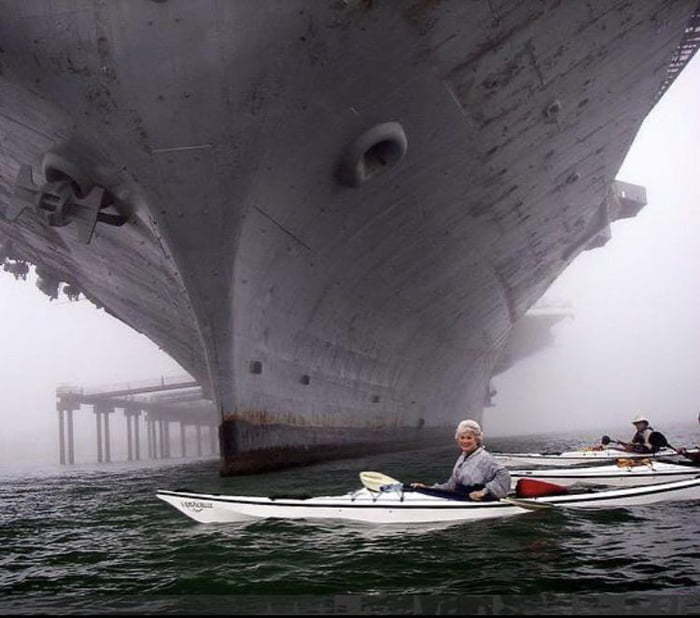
(398, 507)
(590, 456)
(612, 475)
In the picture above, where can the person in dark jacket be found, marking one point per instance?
(641, 440)
(645, 440)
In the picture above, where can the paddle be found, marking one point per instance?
(378, 482)
(656, 439)
(605, 440)
(531, 505)
(659, 441)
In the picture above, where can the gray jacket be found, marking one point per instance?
(479, 468)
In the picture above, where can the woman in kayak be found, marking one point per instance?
(476, 473)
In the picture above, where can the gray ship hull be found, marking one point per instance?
(330, 214)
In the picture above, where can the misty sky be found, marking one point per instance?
(634, 344)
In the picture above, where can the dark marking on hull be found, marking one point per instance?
(312, 445)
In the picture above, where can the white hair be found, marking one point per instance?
(471, 427)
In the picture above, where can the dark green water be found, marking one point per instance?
(96, 539)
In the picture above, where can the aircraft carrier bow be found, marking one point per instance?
(332, 214)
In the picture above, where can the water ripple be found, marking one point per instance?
(79, 536)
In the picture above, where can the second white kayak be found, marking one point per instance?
(611, 475)
(572, 458)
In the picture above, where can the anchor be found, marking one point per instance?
(59, 203)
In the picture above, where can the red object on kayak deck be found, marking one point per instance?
(534, 488)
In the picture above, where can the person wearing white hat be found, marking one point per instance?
(645, 440)
(476, 473)
(640, 441)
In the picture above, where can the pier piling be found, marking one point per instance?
(137, 444)
(71, 441)
(66, 443)
(108, 445)
(61, 439)
(98, 421)
(129, 437)
(166, 435)
(186, 406)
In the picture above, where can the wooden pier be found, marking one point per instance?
(149, 409)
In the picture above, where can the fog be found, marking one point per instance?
(634, 343)
(633, 346)
(46, 344)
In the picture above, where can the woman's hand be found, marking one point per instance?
(478, 495)
(417, 485)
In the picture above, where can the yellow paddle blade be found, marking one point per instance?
(374, 481)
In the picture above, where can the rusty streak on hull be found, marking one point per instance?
(313, 445)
